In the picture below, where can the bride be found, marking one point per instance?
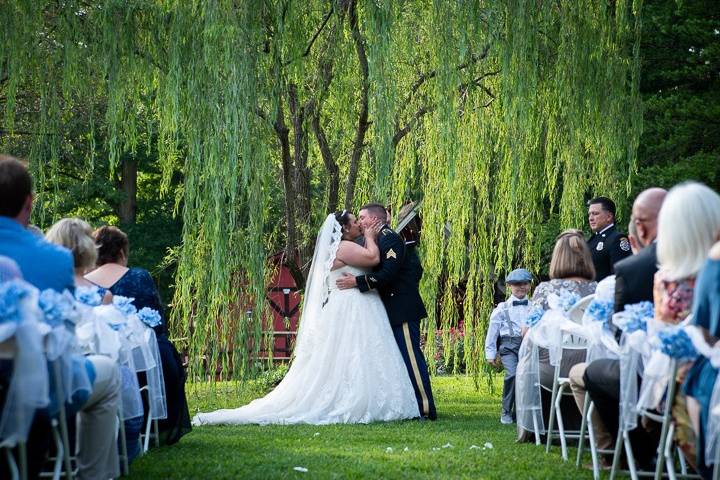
(347, 367)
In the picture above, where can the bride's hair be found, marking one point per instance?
(343, 218)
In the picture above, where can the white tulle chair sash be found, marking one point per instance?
(29, 386)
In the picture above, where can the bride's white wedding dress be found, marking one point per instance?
(347, 366)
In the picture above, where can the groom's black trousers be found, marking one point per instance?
(407, 336)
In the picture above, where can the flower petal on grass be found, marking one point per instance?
(300, 469)
(488, 445)
(447, 445)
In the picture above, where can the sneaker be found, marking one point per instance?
(506, 419)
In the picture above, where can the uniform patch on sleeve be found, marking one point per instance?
(624, 244)
(391, 254)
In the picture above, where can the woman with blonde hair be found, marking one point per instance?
(76, 235)
(571, 276)
(688, 225)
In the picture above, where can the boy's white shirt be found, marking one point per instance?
(498, 325)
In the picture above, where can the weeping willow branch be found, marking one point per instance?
(523, 109)
(362, 122)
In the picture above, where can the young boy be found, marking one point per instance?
(506, 323)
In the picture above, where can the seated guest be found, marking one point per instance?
(700, 380)
(113, 273)
(571, 272)
(506, 325)
(76, 235)
(633, 283)
(686, 230)
(634, 275)
(42, 264)
(48, 266)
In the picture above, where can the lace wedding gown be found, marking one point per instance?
(349, 369)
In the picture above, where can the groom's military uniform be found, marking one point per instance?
(396, 279)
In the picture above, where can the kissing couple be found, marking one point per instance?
(357, 357)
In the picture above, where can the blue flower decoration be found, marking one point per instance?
(89, 296)
(635, 317)
(150, 317)
(57, 307)
(125, 305)
(12, 294)
(568, 299)
(533, 317)
(600, 311)
(675, 343)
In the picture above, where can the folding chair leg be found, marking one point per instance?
(146, 439)
(593, 446)
(583, 428)
(716, 467)
(12, 466)
(156, 427)
(616, 454)
(683, 463)
(668, 453)
(630, 455)
(60, 451)
(536, 428)
(561, 426)
(551, 425)
(22, 453)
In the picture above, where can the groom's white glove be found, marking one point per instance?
(345, 282)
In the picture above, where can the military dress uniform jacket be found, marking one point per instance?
(607, 248)
(396, 279)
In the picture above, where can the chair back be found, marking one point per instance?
(576, 312)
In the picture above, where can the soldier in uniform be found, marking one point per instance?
(607, 245)
(396, 279)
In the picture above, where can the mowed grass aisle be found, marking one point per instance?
(447, 448)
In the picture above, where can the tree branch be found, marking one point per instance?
(423, 77)
(330, 164)
(314, 37)
(400, 133)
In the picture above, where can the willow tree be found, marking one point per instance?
(496, 113)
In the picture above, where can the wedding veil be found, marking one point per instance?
(317, 287)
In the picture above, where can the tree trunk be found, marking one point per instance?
(291, 242)
(330, 164)
(127, 209)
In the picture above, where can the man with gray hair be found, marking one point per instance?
(633, 284)
(634, 275)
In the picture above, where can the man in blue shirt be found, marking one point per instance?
(43, 264)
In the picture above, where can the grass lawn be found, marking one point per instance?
(409, 449)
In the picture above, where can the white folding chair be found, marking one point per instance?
(561, 388)
(665, 448)
(561, 385)
(62, 461)
(8, 352)
(150, 424)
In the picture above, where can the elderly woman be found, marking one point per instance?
(689, 224)
(76, 235)
(113, 273)
(571, 274)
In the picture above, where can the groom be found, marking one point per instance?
(396, 278)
